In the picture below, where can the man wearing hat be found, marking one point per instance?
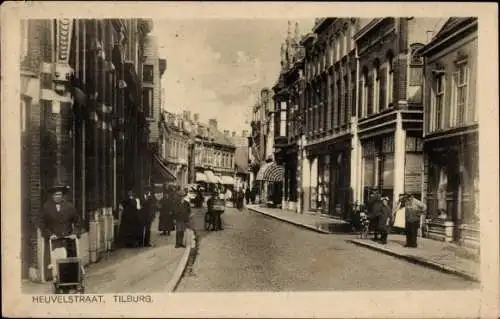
(182, 217)
(413, 211)
(147, 215)
(59, 219)
(374, 208)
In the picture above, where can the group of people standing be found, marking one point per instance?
(382, 216)
(138, 213)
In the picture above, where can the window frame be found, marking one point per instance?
(437, 122)
(458, 87)
(149, 110)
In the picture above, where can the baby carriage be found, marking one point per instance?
(364, 223)
(66, 265)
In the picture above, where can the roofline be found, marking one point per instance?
(437, 42)
(322, 22)
(372, 24)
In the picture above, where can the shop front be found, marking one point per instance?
(340, 192)
(271, 177)
(452, 188)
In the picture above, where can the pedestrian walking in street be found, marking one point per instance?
(147, 216)
(414, 210)
(384, 221)
(59, 218)
(374, 211)
(247, 195)
(129, 225)
(182, 217)
(167, 209)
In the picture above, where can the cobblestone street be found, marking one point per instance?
(258, 253)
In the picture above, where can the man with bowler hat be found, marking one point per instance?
(182, 217)
(59, 219)
(146, 216)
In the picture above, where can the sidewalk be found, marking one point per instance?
(318, 223)
(115, 272)
(439, 255)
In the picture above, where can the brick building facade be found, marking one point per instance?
(451, 183)
(330, 90)
(390, 109)
(80, 85)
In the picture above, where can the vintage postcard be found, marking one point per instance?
(260, 159)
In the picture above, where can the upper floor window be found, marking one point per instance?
(382, 87)
(438, 97)
(345, 42)
(461, 79)
(376, 84)
(352, 31)
(390, 79)
(147, 101)
(148, 73)
(369, 93)
(283, 119)
(337, 49)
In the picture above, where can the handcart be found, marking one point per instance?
(66, 265)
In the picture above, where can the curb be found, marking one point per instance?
(179, 271)
(305, 226)
(418, 260)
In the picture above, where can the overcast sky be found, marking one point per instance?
(217, 67)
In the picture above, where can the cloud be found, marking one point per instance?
(217, 67)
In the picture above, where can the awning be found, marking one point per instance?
(219, 180)
(270, 172)
(227, 180)
(200, 177)
(162, 170)
(211, 178)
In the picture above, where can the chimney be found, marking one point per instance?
(233, 134)
(196, 117)
(226, 133)
(244, 133)
(185, 115)
(212, 123)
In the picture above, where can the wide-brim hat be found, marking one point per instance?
(58, 188)
(385, 198)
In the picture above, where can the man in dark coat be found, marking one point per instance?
(59, 218)
(129, 224)
(147, 215)
(247, 195)
(167, 209)
(182, 217)
(384, 220)
(374, 211)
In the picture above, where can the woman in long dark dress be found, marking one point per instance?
(167, 209)
(129, 225)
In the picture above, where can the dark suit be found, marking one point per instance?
(167, 209)
(182, 216)
(147, 215)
